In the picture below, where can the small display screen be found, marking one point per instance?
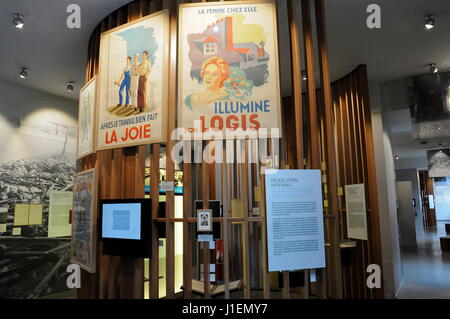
(121, 221)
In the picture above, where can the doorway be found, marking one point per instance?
(426, 267)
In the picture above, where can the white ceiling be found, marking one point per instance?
(397, 117)
(399, 124)
(402, 47)
(53, 53)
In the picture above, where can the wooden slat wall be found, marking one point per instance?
(356, 165)
(320, 130)
(121, 174)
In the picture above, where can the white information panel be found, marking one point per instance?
(355, 203)
(295, 235)
(60, 205)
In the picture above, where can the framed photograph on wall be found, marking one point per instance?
(438, 162)
(84, 220)
(228, 68)
(133, 83)
(86, 119)
(204, 220)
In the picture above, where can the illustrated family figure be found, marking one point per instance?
(133, 80)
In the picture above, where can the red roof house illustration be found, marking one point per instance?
(217, 40)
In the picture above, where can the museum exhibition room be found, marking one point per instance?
(209, 150)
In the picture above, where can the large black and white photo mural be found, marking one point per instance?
(38, 142)
(430, 106)
(438, 162)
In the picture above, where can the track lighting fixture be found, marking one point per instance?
(429, 22)
(18, 20)
(433, 68)
(304, 75)
(69, 86)
(23, 73)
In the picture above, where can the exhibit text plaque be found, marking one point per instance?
(295, 236)
(355, 204)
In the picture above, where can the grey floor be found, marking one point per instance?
(69, 294)
(426, 269)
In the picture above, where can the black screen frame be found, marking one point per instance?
(136, 248)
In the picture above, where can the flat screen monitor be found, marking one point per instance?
(125, 227)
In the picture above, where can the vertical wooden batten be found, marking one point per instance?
(205, 245)
(187, 213)
(375, 254)
(154, 195)
(332, 196)
(357, 165)
(171, 6)
(245, 225)
(296, 76)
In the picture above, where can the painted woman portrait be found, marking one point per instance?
(214, 72)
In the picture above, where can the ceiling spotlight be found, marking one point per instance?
(23, 73)
(69, 86)
(429, 22)
(18, 20)
(304, 76)
(433, 68)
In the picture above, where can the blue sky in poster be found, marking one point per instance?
(140, 39)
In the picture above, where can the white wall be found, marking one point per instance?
(412, 163)
(38, 144)
(407, 222)
(387, 199)
(34, 124)
(412, 175)
(395, 105)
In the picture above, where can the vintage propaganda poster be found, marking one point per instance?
(84, 216)
(86, 114)
(228, 67)
(132, 83)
